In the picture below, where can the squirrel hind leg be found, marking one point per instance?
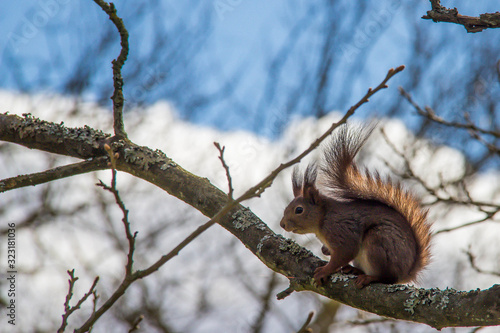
(363, 280)
(387, 255)
(348, 269)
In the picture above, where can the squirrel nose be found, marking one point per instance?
(283, 223)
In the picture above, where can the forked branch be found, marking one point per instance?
(439, 13)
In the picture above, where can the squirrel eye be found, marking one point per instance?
(299, 210)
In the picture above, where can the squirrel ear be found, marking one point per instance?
(310, 175)
(297, 182)
(312, 194)
(310, 191)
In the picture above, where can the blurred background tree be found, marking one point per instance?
(255, 65)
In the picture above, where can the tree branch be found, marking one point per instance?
(99, 163)
(430, 114)
(33, 133)
(68, 310)
(439, 13)
(226, 168)
(118, 99)
(129, 276)
(472, 260)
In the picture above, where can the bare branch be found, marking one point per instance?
(491, 147)
(487, 217)
(118, 99)
(68, 310)
(368, 321)
(226, 167)
(135, 324)
(472, 260)
(265, 303)
(99, 163)
(129, 276)
(119, 202)
(82, 142)
(431, 115)
(408, 172)
(439, 13)
(476, 132)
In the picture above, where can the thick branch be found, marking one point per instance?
(439, 13)
(33, 133)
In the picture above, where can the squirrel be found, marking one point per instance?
(364, 219)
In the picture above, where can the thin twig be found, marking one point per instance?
(118, 99)
(135, 324)
(265, 300)
(472, 260)
(431, 115)
(94, 307)
(491, 147)
(129, 275)
(487, 217)
(409, 173)
(68, 310)
(119, 202)
(226, 167)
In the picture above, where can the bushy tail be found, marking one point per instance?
(345, 179)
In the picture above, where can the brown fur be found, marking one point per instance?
(371, 221)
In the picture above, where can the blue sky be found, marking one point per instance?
(44, 41)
